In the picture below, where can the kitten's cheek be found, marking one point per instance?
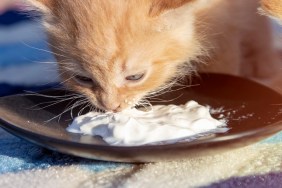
(94, 102)
(129, 103)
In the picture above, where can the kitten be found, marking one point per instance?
(272, 8)
(115, 52)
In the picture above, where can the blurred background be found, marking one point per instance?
(25, 61)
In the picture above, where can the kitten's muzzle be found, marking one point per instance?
(111, 106)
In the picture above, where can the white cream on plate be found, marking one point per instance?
(163, 123)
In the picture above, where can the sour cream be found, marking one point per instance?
(163, 123)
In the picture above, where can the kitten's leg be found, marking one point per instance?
(225, 56)
(261, 61)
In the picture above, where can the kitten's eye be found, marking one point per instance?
(136, 77)
(84, 80)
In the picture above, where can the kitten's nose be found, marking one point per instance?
(111, 106)
(116, 109)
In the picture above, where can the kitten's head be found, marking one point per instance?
(117, 51)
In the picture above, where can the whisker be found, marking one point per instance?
(76, 104)
(68, 79)
(55, 47)
(44, 50)
(81, 110)
(81, 102)
(32, 93)
(165, 101)
(52, 103)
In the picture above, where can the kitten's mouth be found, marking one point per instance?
(102, 108)
(125, 105)
(136, 106)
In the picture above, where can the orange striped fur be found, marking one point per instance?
(108, 40)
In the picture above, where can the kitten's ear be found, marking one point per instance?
(160, 6)
(41, 5)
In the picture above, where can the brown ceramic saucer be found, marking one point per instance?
(254, 113)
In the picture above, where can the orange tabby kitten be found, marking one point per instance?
(117, 51)
(272, 8)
